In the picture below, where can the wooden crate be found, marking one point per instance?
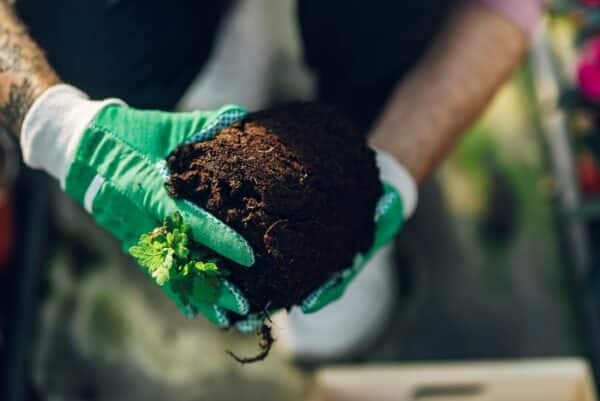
(522, 380)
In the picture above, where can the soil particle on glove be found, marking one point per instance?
(299, 183)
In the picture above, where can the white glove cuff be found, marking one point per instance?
(53, 128)
(394, 173)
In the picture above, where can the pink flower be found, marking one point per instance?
(591, 3)
(588, 70)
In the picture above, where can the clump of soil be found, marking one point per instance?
(299, 183)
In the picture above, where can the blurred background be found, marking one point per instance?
(497, 264)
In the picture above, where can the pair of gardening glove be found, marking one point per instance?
(111, 158)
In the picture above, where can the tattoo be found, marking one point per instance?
(14, 109)
(24, 71)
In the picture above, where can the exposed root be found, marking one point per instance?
(266, 314)
(265, 345)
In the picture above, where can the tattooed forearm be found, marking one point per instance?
(13, 109)
(24, 71)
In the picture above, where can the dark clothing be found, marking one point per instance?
(361, 49)
(148, 51)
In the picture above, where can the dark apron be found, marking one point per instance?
(148, 51)
(360, 49)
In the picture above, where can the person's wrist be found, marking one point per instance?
(391, 171)
(54, 125)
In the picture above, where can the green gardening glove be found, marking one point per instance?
(111, 158)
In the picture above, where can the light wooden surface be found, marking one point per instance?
(526, 380)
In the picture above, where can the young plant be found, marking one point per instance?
(172, 259)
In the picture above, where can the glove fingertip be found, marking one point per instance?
(250, 325)
(388, 218)
(319, 301)
(244, 256)
(321, 304)
(215, 314)
(187, 311)
(216, 235)
(231, 298)
(221, 317)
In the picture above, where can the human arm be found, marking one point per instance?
(476, 52)
(92, 147)
(24, 71)
(480, 46)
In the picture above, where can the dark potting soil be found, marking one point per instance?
(299, 183)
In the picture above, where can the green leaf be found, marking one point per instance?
(186, 229)
(147, 256)
(206, 288)
(161, 275)
(165, 253)
(178, 241)
(185, 270)
(173, 222)
(208, 268)
(169, 259)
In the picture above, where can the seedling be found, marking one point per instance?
(171, 258)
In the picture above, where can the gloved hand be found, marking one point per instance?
(111, 158)
(398, 202)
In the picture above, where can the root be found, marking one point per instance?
(265, 345)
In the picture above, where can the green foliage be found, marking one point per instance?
(171, 258)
